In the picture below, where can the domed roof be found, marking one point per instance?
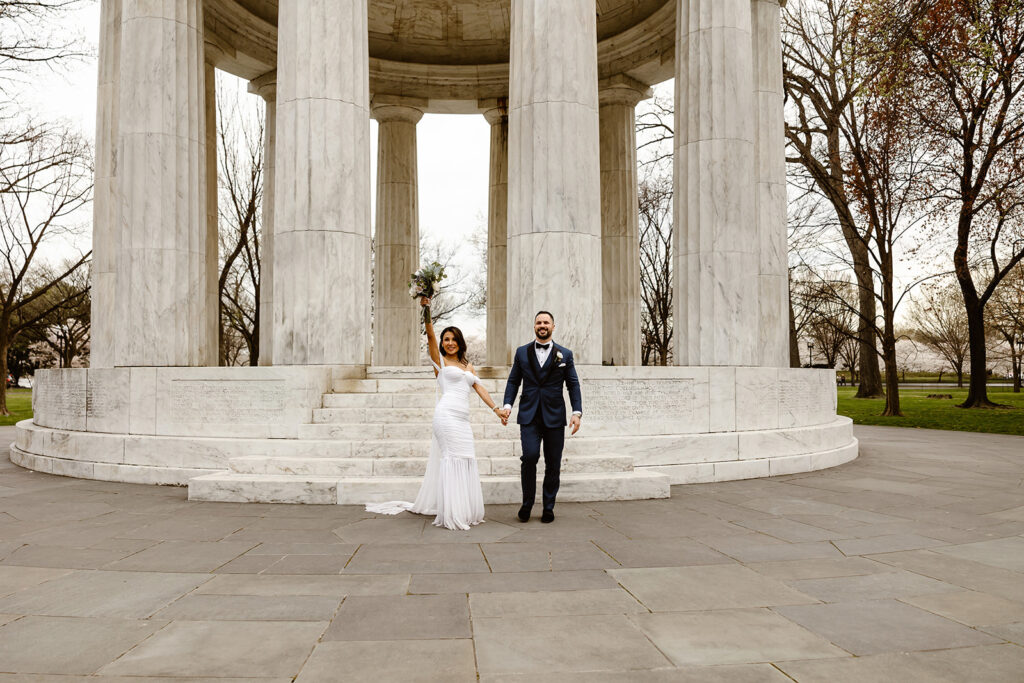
(449, 49)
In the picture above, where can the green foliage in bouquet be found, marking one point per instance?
(426, 281)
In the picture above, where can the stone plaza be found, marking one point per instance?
(906, 564)
(330, 417)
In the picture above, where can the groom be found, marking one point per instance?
(542, 367)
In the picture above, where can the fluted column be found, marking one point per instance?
(266, 87)
(554, 230)
(106, 242)
(161, 266)
(716, 309)
(773, 274)
(322, 208)
(396, 315)
(498, 350)
(620, 221)
(213, 322)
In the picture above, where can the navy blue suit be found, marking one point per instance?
(542, 414)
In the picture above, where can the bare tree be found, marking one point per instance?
(30, 39)
(240, 138)
(64, 330)
(1005, 313)
(457, 289)
(656, 236)
(49, 181)
(961, 79)
(940, 323)
(654, 121)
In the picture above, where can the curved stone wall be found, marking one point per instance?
(171, 425)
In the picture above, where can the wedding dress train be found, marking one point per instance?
(451, 486)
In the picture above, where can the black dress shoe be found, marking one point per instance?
(524, 514)
(547, 516)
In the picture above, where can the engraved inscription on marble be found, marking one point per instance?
(798, 396)
(227, 401)
(105, 394)
(621, 400)
(60, 393)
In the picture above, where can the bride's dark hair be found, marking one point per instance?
(459, 339)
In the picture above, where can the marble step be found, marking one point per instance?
(421, 385)
(425, 371)
(234, 487)
(412, 466)
(396, 400)
(396, 431)
(479, 415)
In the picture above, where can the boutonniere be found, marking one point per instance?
(558, 356)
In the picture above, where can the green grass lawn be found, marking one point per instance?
(939, 413)
(19, 402)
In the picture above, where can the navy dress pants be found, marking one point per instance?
(534, 436)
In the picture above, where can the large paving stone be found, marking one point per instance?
(960, 572)
(554, 603)
(62, 557)
(182, 556)
(401, 617)
(1007, 553)
(417, 559)
(886, 544)
(893, 584)
(739, 673)
(65, 645)
(310, 564)
(543, 645)
(542, 557)
(426, 661)
(795, 570)
(128, 595)
(263, 584)
(222, 648)
(251, 608)
(970, 607)
(678, 589)
(510, 581)
(13, 579)
(989, 664)
(661, 552)
(732, 637)
(877, 626)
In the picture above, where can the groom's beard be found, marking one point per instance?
(543, 335)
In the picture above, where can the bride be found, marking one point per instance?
(451, 487)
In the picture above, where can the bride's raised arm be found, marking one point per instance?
(432, 347)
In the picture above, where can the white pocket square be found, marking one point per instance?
(561, 365)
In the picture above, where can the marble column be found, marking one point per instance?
(212, 327)
(397, 237)
(620, 221)
(770, 196)
(322, 211)
(498, 350)
(554, 183)
(266, 87)
(161, 265)
(717, 241)
(106, 240)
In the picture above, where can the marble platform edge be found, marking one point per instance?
(255, 488)
(370, 456)
(704, 473)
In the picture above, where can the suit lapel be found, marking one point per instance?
(531, 355)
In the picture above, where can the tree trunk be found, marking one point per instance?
(870, 374)
(977, 391)
(794, 344)
(959, 378)
(3, 374)
(892, 380)
(1015, 365)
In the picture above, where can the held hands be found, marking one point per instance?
(503, 414)
(574, 422)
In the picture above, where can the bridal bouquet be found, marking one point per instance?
(426, 282)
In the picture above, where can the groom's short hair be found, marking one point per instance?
(547, 313)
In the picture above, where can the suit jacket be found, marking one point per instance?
(542, 386)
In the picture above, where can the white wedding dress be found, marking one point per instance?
(451, 487)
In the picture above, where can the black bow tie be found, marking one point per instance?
(543, 347)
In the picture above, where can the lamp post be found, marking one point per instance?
(810, 354)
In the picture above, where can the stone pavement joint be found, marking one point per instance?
(906, 564)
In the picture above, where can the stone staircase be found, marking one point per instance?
(370, 442)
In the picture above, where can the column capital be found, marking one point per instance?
(397, 108)
(621, 89)
(215, 49)
(495, 109)
(265, 86)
